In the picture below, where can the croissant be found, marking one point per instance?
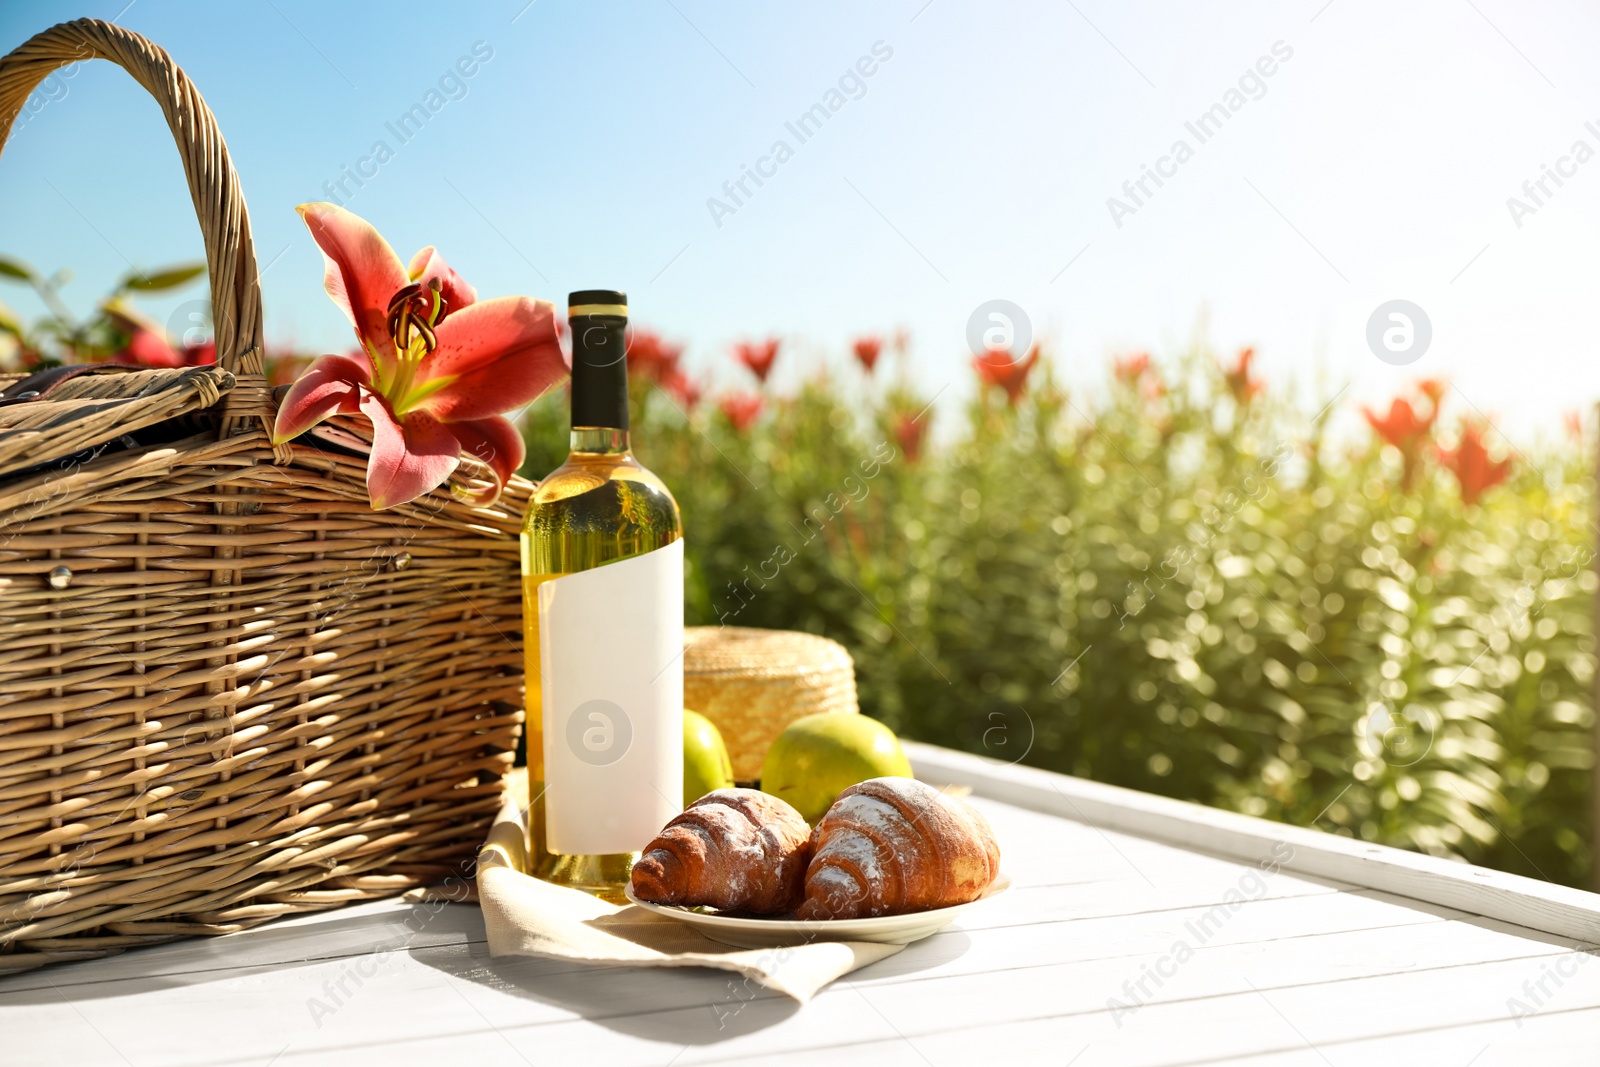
(893, 845)
(733, 849)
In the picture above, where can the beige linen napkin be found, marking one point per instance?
(527, 917)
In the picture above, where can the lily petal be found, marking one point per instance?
(332, 384)
(363, 274)
(409, 457)
(498, 443)
(494, 356)
(428, 264)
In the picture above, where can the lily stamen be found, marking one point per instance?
(414, 311)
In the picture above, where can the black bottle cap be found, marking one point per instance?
(598, 319)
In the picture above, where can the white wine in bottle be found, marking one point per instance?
(602, 574)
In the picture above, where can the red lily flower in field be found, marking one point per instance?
(1243, 387)
(910, 430)
(998, 368)
(437, 368)
(1471, 463)
(1137, 370)
(1402, 427)
(652, 358)
(283, 369)
(148, 345)
(146, 348)
(758, 356)
(742, 409)
(1574, 423)
(1130, 368)
(1405, 430)
(1434, 390)
(867, 350)
(685, 389)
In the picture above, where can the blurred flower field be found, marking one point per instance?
(116, 330)
(1183, 587)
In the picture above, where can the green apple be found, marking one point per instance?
(819, 756)
(706, 765)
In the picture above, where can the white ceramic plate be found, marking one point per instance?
(777, 933)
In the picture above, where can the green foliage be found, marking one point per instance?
(158, 280)
(1184, 589)
(15, 268)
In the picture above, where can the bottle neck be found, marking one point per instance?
(599, 440)
(599, 373)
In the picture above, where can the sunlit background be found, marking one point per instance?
(975, 162)
(1149, 560)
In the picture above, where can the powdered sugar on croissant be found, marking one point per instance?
(734, 850)
(894, 845)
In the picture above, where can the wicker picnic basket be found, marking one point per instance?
(229, 690)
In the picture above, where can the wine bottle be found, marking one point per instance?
(602, 567)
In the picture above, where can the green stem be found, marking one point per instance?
(57, 306)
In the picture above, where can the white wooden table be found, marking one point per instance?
(1139, 931)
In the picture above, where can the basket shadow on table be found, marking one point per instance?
(195, 961)
(686, 1005)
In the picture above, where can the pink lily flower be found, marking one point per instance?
(436, 371)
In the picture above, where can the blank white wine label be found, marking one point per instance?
(611, 655)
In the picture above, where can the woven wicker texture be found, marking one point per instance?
(753, 683)
(229, 690)
(87, 411)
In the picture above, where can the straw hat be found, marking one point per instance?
(753, 683)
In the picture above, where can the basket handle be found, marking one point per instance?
(213, 183)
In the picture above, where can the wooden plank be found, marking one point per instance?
(1101, 873)
(1546, 1039)
(411, 1006)
(1549, 1040)
(1556, 909)
(353, 931)
(1128, 988)
(1012, 938)
(982, 950)
(1045, 904)
(1309, 1025)
(1045, 849)
(941, 1018)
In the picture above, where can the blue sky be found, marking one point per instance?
(976, 162)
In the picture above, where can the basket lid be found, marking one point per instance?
(91, 409)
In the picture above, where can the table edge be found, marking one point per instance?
(1543, 906)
